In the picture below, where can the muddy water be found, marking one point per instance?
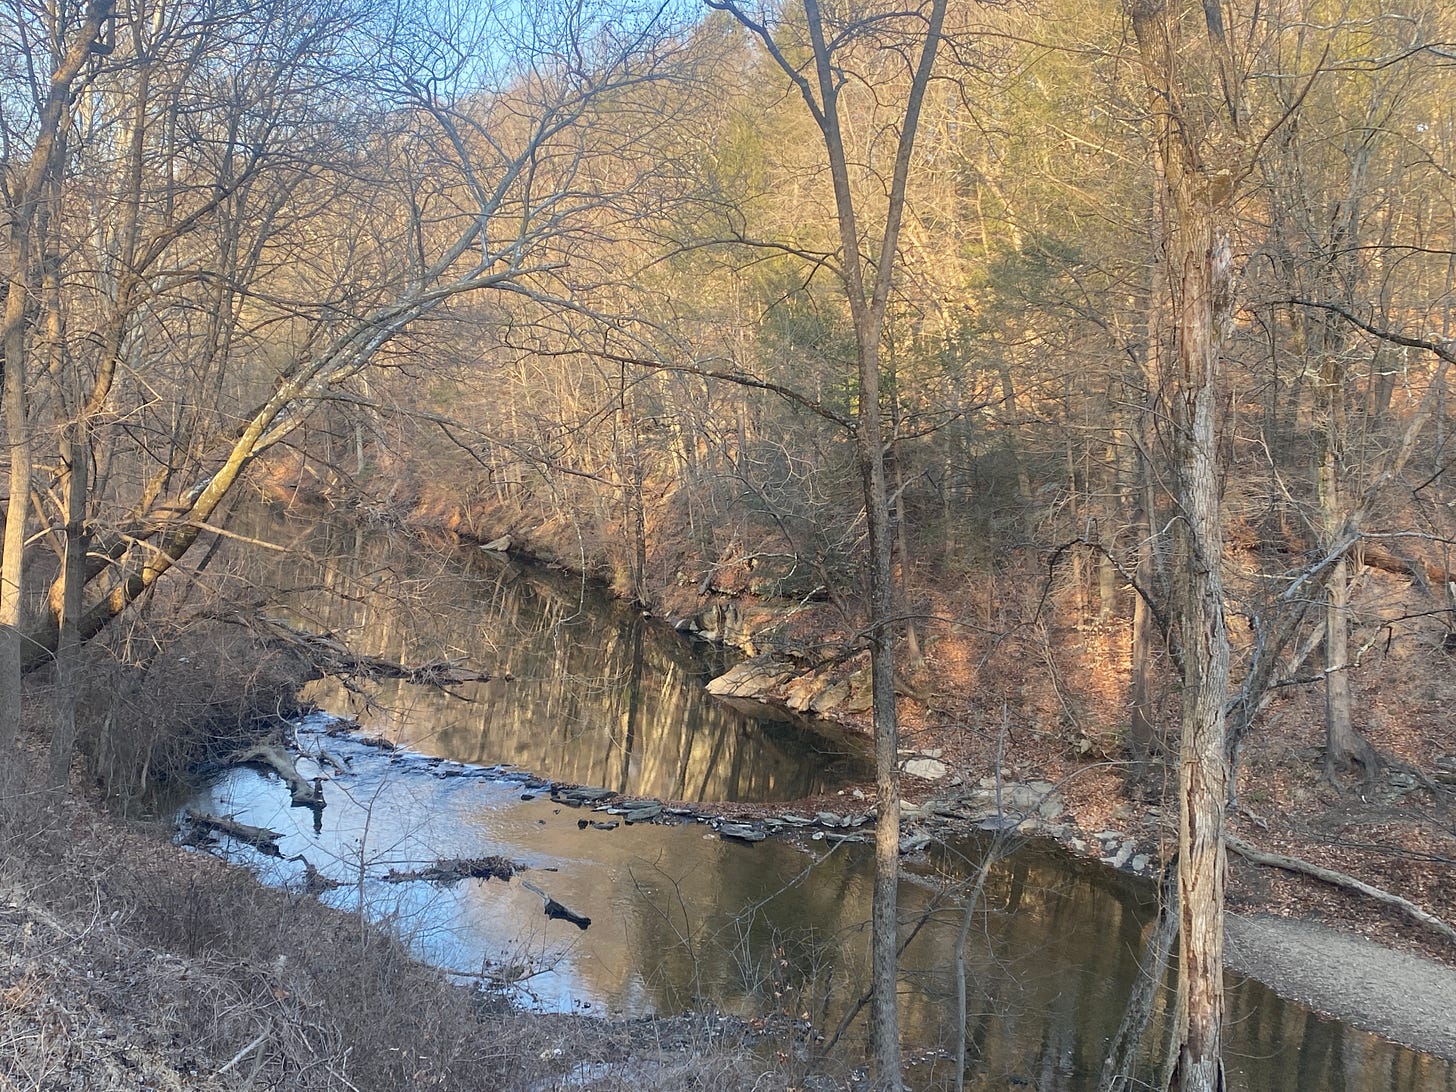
(679, 914)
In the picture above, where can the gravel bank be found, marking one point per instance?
(1401, 997)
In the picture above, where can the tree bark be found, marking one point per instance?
(1344, 746)
(17, 514)
(1199, 281)
(27, 228)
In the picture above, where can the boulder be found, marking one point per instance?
(755, 678)
(580, 795)
(642, 813)
(929, 769)
(1123, 855)
(831, 698)
(742, 832)
(1032, 798)
(802, 690)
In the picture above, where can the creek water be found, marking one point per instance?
(598, 695)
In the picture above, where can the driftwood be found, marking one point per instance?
(273, 756)
(455, 869)
(315, 883)
(333, 657)
(260, 838)
(1340, 879)
(557, 911)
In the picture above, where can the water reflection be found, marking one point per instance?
(597, 694)
(680, 915)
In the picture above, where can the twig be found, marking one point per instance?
(240, 1055)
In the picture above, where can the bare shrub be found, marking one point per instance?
(149, 708)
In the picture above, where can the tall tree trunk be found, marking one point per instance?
(1200, 281)
(1142, 733)
(867, 280)
(27, 228)
(1345, 747)
(1203, 761)
(17, 514)
(75, 454)
(1145, 745)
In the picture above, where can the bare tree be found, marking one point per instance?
(260, 209)
(58, 44)
(867, 280)
(1200, 282)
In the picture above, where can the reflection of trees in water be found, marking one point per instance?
(1055, 952)
(1046, 980)
(597, 694)
(1262, 1053)
(754, 929)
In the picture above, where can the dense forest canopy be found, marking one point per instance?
(882, 310)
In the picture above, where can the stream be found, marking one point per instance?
(598, 695)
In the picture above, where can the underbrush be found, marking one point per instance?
(128, 962)
(151, 706)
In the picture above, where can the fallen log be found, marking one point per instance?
(303, 793)
(1340, 879)
(260, 838)
(556, 910)
(455, 869)
(334, 658)
(1423, 572)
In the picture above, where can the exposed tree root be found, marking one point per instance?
(1340, 879)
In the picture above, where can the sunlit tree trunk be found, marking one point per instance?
(867, 281)
(17, 513)
(27, 228)
(1145, 743)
